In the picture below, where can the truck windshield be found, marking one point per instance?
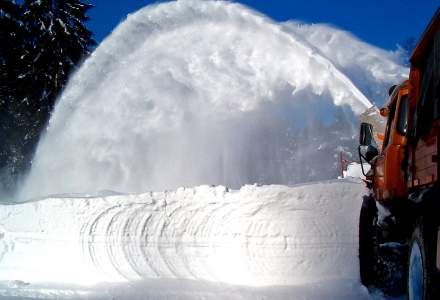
(402, 122)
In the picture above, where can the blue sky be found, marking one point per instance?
(384, 23)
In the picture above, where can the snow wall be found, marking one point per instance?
(209, 92)
(255, 236)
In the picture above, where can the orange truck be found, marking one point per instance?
(399, 234)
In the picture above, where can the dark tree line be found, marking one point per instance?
(41, 42)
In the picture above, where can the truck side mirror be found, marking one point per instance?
(366, 134)
(371, 153)
(385, 112)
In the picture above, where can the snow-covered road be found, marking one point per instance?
(260, 242)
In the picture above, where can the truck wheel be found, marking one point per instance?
(421, 263)
(380, 267)
(367, 240)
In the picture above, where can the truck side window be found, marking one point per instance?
(402, 122)
(390, 126)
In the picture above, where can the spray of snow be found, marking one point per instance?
(371, 69)
(198, 92)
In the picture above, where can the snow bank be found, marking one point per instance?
(260, 236)
(207, 92)
(354, 170)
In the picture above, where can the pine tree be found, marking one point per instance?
(12, 36)
(42, 42)
(61, 40)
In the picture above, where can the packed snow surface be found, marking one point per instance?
(209, 92)
(273, 242)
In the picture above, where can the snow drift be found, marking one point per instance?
(303, 238)
(202, 92)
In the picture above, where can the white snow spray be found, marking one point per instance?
(198, 92)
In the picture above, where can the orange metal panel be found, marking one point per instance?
(425, 160)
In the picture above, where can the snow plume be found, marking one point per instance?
(371, 69)
(198, 92)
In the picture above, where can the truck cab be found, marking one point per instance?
(390, 166)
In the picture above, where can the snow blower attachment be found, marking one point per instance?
(399, 236)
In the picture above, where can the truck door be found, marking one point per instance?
(389, 170)
(379, 172)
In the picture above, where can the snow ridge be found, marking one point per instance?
(257, 236)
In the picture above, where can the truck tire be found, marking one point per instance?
(366, 240)
(422, 280)
(380, 267)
